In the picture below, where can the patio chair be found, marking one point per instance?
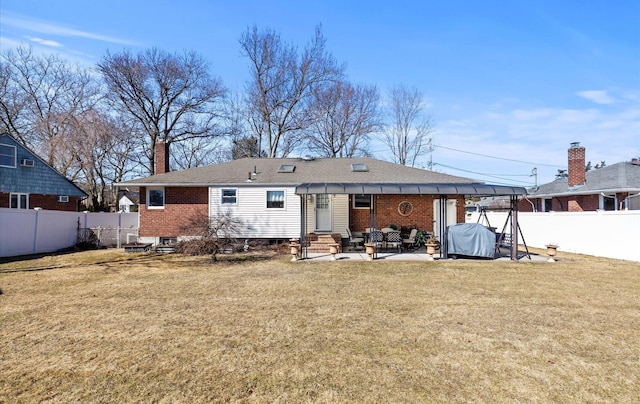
(409, 242)
(394, 240)
(376, 237)
(354, 242)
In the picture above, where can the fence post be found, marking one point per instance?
(119, 227)
(35, 231)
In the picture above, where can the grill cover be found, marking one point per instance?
(472, 240)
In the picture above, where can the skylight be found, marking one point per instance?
(286, 168)
(359, 167)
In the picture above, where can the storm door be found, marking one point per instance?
(323, 212)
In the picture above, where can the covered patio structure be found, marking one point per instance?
(441, 192)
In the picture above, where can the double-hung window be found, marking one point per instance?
(229, 196)
(19, 201)
(7, 156)
(275, 199)
(362, 201)
(155, 198)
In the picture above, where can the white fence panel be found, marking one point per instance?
(41, 231)
(612, 234)
(16, 231)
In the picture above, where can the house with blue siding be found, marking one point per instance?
(27, 181)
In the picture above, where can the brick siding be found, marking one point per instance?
(574, 203)
(387, 212)
(48, 202)
(181, 204)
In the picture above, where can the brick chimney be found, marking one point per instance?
(162, 158)
(576, 175)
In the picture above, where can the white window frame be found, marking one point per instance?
(284, 198)
(164, 197)
(15, 156)
(363, 207)
(222, 200)
(18, 195)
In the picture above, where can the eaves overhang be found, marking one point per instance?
(409, 189)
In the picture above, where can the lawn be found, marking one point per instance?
(113, 327)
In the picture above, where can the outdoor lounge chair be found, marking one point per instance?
(354, 242)
(409, 242)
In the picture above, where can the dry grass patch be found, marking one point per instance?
(108, 326)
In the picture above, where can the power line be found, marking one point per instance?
(483, 174)
(497, 158)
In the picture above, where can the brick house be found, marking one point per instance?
(613, 187)
(285, 198)
(27, 181)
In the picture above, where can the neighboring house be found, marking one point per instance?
(27, 182)
(613, 187)
(288, 198)
(128, 203)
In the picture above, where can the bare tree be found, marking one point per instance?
(198, 152)
(103, 146)
(406, 134)
(342, 117)
(280, 86)
(172, 96)
(42, 98)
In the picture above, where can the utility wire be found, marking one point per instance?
(497, 158)
(483, 174)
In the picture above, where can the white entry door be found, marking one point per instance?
(323, 212)
(450, 215)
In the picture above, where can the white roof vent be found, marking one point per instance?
(308, 158)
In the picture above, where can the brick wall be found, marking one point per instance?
(387, 212)
(575, 203)
(181, 204)
(48, 202)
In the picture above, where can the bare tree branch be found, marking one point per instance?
(280, 86)
(406, 134)
(172, 96)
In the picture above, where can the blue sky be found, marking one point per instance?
(509, 84)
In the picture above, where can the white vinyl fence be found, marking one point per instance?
(36, 231)
(612, 234)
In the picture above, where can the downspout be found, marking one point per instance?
(533, 207)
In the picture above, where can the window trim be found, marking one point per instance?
(164, 198)
(235, 196)
(18, 195)
(284, 199)
(15, 156)
(363, 207)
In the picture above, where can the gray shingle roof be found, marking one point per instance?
(327, 175)
(318, 170)
(619, 177)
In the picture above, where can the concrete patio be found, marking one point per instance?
(419, 255)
